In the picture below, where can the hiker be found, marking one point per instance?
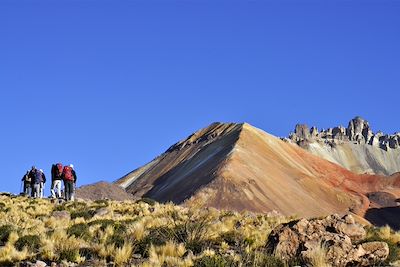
(42, 183)
(37, 181)
(26, 179)
(56, 178)
(32, 179)
(69, 177)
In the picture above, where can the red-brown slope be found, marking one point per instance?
(236, 166)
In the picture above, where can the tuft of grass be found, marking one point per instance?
(5, 231)
(85, 214)
(167, 254)
(318, 257)
(215, 261)
(31, 242)
(80, 230)
(123, 254)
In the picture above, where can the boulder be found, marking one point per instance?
(102, 212)
(61, 215)
(374, 252)
(337, 235)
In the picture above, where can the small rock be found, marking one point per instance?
(375, 252)
(188, 254)
(102, 212)
(137, 256)
(62, 215)
(40, 264)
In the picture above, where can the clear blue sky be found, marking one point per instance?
(109, 85)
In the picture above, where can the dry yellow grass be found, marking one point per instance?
(318, 257)
(166, 234)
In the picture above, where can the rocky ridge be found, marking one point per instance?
(358, 131)
(356, 148)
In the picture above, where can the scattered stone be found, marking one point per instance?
(40, 264)
(336, 234)
(137, 256)
(62, 215)
(102, 212)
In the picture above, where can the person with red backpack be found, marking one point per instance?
(56, 178)
(69, 177)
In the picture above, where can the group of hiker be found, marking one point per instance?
(34, 182)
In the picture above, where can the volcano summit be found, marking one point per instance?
(240, 167)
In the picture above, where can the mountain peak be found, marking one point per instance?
(238, 166)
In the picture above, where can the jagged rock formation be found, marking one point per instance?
(341, 237)
(239, 167)
(357, 147)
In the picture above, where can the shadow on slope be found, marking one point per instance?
(384, 216)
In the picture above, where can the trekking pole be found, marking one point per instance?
(22, 187)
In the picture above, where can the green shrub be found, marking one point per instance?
(118, 240)
(5, 232)
(215, 261)
(103, 222)
(75, 205)
(258, 258)
(86, 214)
(119, 228)
(32, 242)
(70, 255)
(87, 253)
(197, 246)
(232, 238)
(80, 230)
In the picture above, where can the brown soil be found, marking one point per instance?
(103, 190)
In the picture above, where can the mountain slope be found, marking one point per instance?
(237, 166)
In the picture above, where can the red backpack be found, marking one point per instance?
(58, 169)
(67, 172)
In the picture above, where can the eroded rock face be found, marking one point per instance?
(358, 131)
(338, 235)
(355, 147)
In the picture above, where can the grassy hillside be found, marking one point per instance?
(136, 234)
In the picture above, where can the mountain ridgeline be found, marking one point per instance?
(356, 148)
(239, 167)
